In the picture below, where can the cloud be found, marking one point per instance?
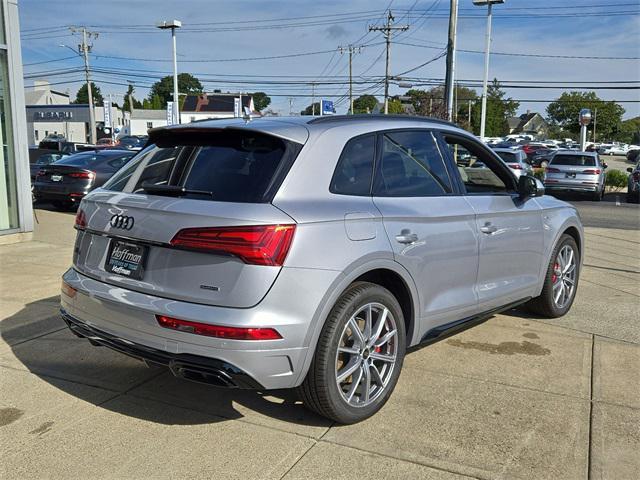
(337, 31)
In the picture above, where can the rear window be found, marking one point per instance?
(507, 156)
(78, 160)
(574, 160)
(225, 166)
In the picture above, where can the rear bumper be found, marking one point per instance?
(130, 316)
(60, 194)
(191, 367)
(572, 187)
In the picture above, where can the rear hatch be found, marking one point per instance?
(573, 169)
(190, 218)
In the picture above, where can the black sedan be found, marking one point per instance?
(541, 158)
(46, 159)
(65, 182)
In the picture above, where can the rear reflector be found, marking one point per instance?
(591, 172)
(68, 290)
(81, 220)
(255, 245)
(231, 333)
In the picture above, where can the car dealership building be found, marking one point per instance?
(16, 210)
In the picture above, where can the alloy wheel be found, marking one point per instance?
(367, 354)
(563, 277)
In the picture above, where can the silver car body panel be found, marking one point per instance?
(452, 271)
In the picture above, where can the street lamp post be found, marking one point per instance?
(485, 80)
(173, 25)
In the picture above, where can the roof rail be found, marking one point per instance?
(366, 116)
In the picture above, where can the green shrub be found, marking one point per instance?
(539, 173)
(615, 180)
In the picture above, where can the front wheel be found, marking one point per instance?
(561, 280)
(359, 355)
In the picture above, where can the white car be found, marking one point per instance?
(614, 150)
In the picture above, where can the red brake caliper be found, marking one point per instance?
(554, 277)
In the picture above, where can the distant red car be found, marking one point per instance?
(530, 149)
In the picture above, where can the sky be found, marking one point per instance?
(221, 40)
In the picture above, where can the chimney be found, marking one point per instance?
(41, 86)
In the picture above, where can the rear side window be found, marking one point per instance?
(574, 160)
(354, 171)
(224, 166)
(411, 165)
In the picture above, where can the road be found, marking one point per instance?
(613, 212)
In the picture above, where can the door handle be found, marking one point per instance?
(488, 229)
(406, 237)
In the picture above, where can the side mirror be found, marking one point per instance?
(630, 169)
(529, 187)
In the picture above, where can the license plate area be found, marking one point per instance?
(126, 258)
(56, 178)
(570, 175)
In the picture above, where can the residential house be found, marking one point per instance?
(530, 123)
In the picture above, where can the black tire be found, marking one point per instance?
(598, 196)
(544, 304)
(319, 391)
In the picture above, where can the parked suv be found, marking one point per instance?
(576, 172)
(312, 252)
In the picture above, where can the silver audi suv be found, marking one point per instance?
(312, 252)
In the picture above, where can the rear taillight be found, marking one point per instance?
(255, 245)
(41, 173)
(552, 170)
(89, 175)
(515, 166)
(81, 220)
(231, 333)
(592, 171)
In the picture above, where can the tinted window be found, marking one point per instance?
(229, 166)
(119, 162)
(355, 167)
(78, 160)
(411, 166)
(483, 178)
(508, 156)
(574, 160)
(240, 168)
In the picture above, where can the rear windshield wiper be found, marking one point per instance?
(173, 190)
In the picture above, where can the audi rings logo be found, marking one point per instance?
(122, 221)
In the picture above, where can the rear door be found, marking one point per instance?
(198, 247)
(430, 226)
(510, 229)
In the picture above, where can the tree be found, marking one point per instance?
(564, 113)
(365, 104)
(129, 94)
(629, 131)
(261, 101)
(499, 109)
(395, 106)
(310, 109)
(431, 103)
(163, 89)
(82, 97)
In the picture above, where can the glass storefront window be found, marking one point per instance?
(8, 192)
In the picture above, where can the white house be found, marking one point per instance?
(143, 120)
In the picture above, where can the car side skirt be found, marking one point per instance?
(441, 332)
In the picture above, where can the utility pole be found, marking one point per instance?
(451, 59)
(313, 99)
(351, 49)
(387, 30)
(83, 49)
(290, 106)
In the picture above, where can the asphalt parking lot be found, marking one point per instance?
(517, 397)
